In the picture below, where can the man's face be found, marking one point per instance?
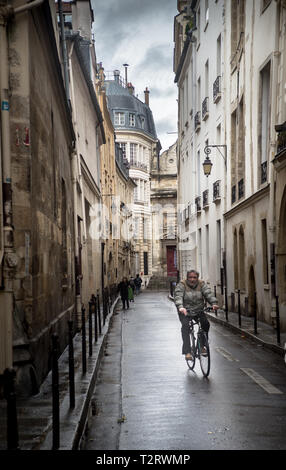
(192, 279)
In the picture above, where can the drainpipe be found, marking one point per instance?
(64, 50)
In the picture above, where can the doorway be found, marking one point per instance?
(171, 261)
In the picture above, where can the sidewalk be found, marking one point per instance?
(266, 335)
(34, 414)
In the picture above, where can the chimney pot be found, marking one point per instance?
(130, 88)
(147, 92)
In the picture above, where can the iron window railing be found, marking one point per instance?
(263, 172)
(205, 109)
(197, 121)
(198, 204)
(216, 191)
(206, 198)
(217, 89)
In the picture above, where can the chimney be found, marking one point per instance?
(146, 92)
(130, 88)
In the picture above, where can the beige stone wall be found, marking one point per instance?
(41, 140)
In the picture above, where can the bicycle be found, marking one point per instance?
(199, 340)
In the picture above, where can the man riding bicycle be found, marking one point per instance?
(191, 295)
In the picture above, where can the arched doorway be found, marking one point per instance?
(251, 290)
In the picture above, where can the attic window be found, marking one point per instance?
(132, 120)
(119, 119)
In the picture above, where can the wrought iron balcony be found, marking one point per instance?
(263, 172)
(205, 199)
(216, 191)
(197, 121)
(140, 165)
(205, 109)
(217, 89)
(198, 204)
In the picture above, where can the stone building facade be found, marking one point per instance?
(164, 213)
(90, 137)
(37, 295)
(238, 243)
(136, 135)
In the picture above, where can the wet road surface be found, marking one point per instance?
(147, 398)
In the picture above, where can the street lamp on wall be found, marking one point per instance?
(207, 165)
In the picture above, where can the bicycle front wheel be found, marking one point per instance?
(204, 353)
(191, 362)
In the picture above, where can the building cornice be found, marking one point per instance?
(247, 202)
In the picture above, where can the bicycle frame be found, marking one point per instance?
(198, 340)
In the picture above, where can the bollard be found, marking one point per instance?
(215, 296)
(238, 306)
(55, 392)
(98, 314)
(255, 313)
(83, 340)
(95, 318)
(277, 319)
(90, 329)
(226, 304)
(12, 422)
(71, 365)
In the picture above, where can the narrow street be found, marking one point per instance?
(146, 398)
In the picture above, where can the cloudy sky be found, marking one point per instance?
(140, 33)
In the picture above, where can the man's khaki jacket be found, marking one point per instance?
(193, 298)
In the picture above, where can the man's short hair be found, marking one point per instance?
(193, 271)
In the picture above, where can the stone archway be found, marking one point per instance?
(251, 290)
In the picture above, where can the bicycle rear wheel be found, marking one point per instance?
(191, 362)
(205, 358)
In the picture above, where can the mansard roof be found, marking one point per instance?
(121, 100)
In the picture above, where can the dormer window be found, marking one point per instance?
(132, 120)
(119, 119)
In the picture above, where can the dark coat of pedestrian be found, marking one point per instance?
(123, 290)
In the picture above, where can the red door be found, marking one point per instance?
(171, 261)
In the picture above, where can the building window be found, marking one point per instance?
(264, 111)
(122, 145)
(132, 120)
(206, 13)
(264, 4)
(133, 154)
(119, 119)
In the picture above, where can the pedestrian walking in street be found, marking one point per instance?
(123, 289)
(137, 281)
(130, 294)
(191, 295)
(132, 285)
